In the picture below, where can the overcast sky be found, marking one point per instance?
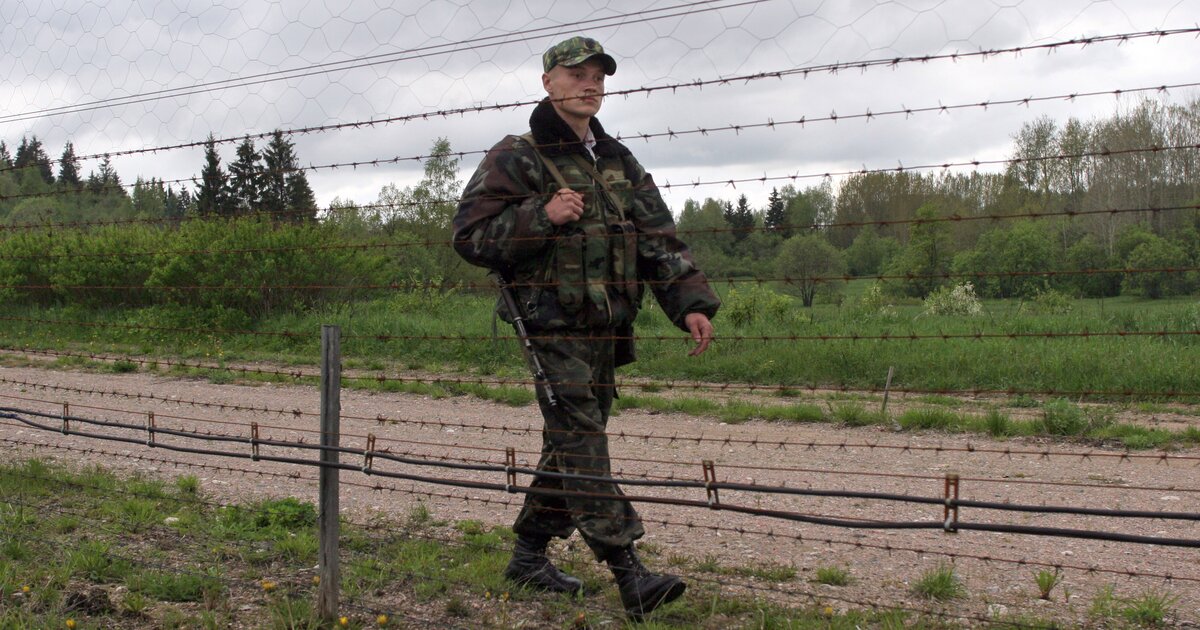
(83, 55)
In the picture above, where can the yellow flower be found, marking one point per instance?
(268, 585)
(504, 597)
(828, 611)
(343, 621)
(71, 624)
(25, 589)
(382, 620)
(316, 580)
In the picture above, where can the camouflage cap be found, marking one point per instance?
(574, 51)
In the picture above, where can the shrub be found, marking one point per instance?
(872, 304)
(959, 300)
(744, 307)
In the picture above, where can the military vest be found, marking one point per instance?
(592, 264)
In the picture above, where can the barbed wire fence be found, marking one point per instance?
(779, 501)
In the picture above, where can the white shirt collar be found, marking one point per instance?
(589, 142)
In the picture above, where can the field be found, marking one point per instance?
(1102, 420)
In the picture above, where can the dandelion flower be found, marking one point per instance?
(382, 620)
(268, 585)
(343, 621)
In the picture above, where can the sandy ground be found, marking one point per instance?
(998, 569)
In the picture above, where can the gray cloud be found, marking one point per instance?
(57, 56)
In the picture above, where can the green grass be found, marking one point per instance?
(941, 584)
(833, 576)
(196, 575)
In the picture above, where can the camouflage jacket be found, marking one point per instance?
(587, 273)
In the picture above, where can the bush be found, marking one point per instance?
(744, 307)
(1048, 302)
(959, 300)
(872, 304)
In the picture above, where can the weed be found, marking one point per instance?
(998, 425)
(188, 485)
(854, 415)
(1148, 609)
(456, 607)
(928, 419)
(174, 587)
(941, 584)
(1046, 581)
(709, 564)
(833, 576)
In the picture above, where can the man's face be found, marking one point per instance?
(582, 86)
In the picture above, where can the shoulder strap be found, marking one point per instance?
(590, 169)
(554, 172)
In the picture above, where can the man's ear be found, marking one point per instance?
(546, 82)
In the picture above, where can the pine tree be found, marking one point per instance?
(68, 170)
(740, 219)
(278, 161)
(106, 182)
(31, 155)
(776, 219)
(302, 204)
(244, 172)
(210, 195)
(5, 157)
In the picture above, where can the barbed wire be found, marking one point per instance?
(803, 71)
(709, 486)
(426, 285)
(385, 58)
(769, 534)
(693, 386)
(387, 337)
(732, 182)
(529, 430)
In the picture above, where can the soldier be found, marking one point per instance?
(572, 221)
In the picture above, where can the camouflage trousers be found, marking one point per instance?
(579, 366)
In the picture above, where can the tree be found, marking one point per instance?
(31, 155)
(739, 219)
(1088, 255)
(68, 169)
(1161, 255)
(776, 218)
(302, 204)
(106, 182)
(210, 193)
(1009, 259)
(279, 159)
(5, 156)
(869, 254)
(703, 226)
(244, 174)
(927, 255)
(810, 265)
(149, 199)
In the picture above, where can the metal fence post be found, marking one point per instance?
(327, 519)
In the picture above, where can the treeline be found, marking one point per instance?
(269, 181)
(1110, 194)
(233, 261)
(1095, 198)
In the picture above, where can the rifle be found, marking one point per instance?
(531, 357)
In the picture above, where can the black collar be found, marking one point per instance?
(554, 137)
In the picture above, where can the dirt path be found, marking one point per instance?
(884, 563)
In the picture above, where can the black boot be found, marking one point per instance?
(641, 590)
(530, 567)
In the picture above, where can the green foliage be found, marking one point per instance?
(1024, 248)
(958, 300)
(927, 258)
(1160, 254)
(1048, 302)
(810, 265)
(872, 304)
(941, 584)
(833, 576)
(744, 307)
(1060, 417)
(1046, 581)
(870, 253)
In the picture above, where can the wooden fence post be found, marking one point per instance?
(329, 570)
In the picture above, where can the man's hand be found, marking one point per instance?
(565, 206)
(702, 331)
